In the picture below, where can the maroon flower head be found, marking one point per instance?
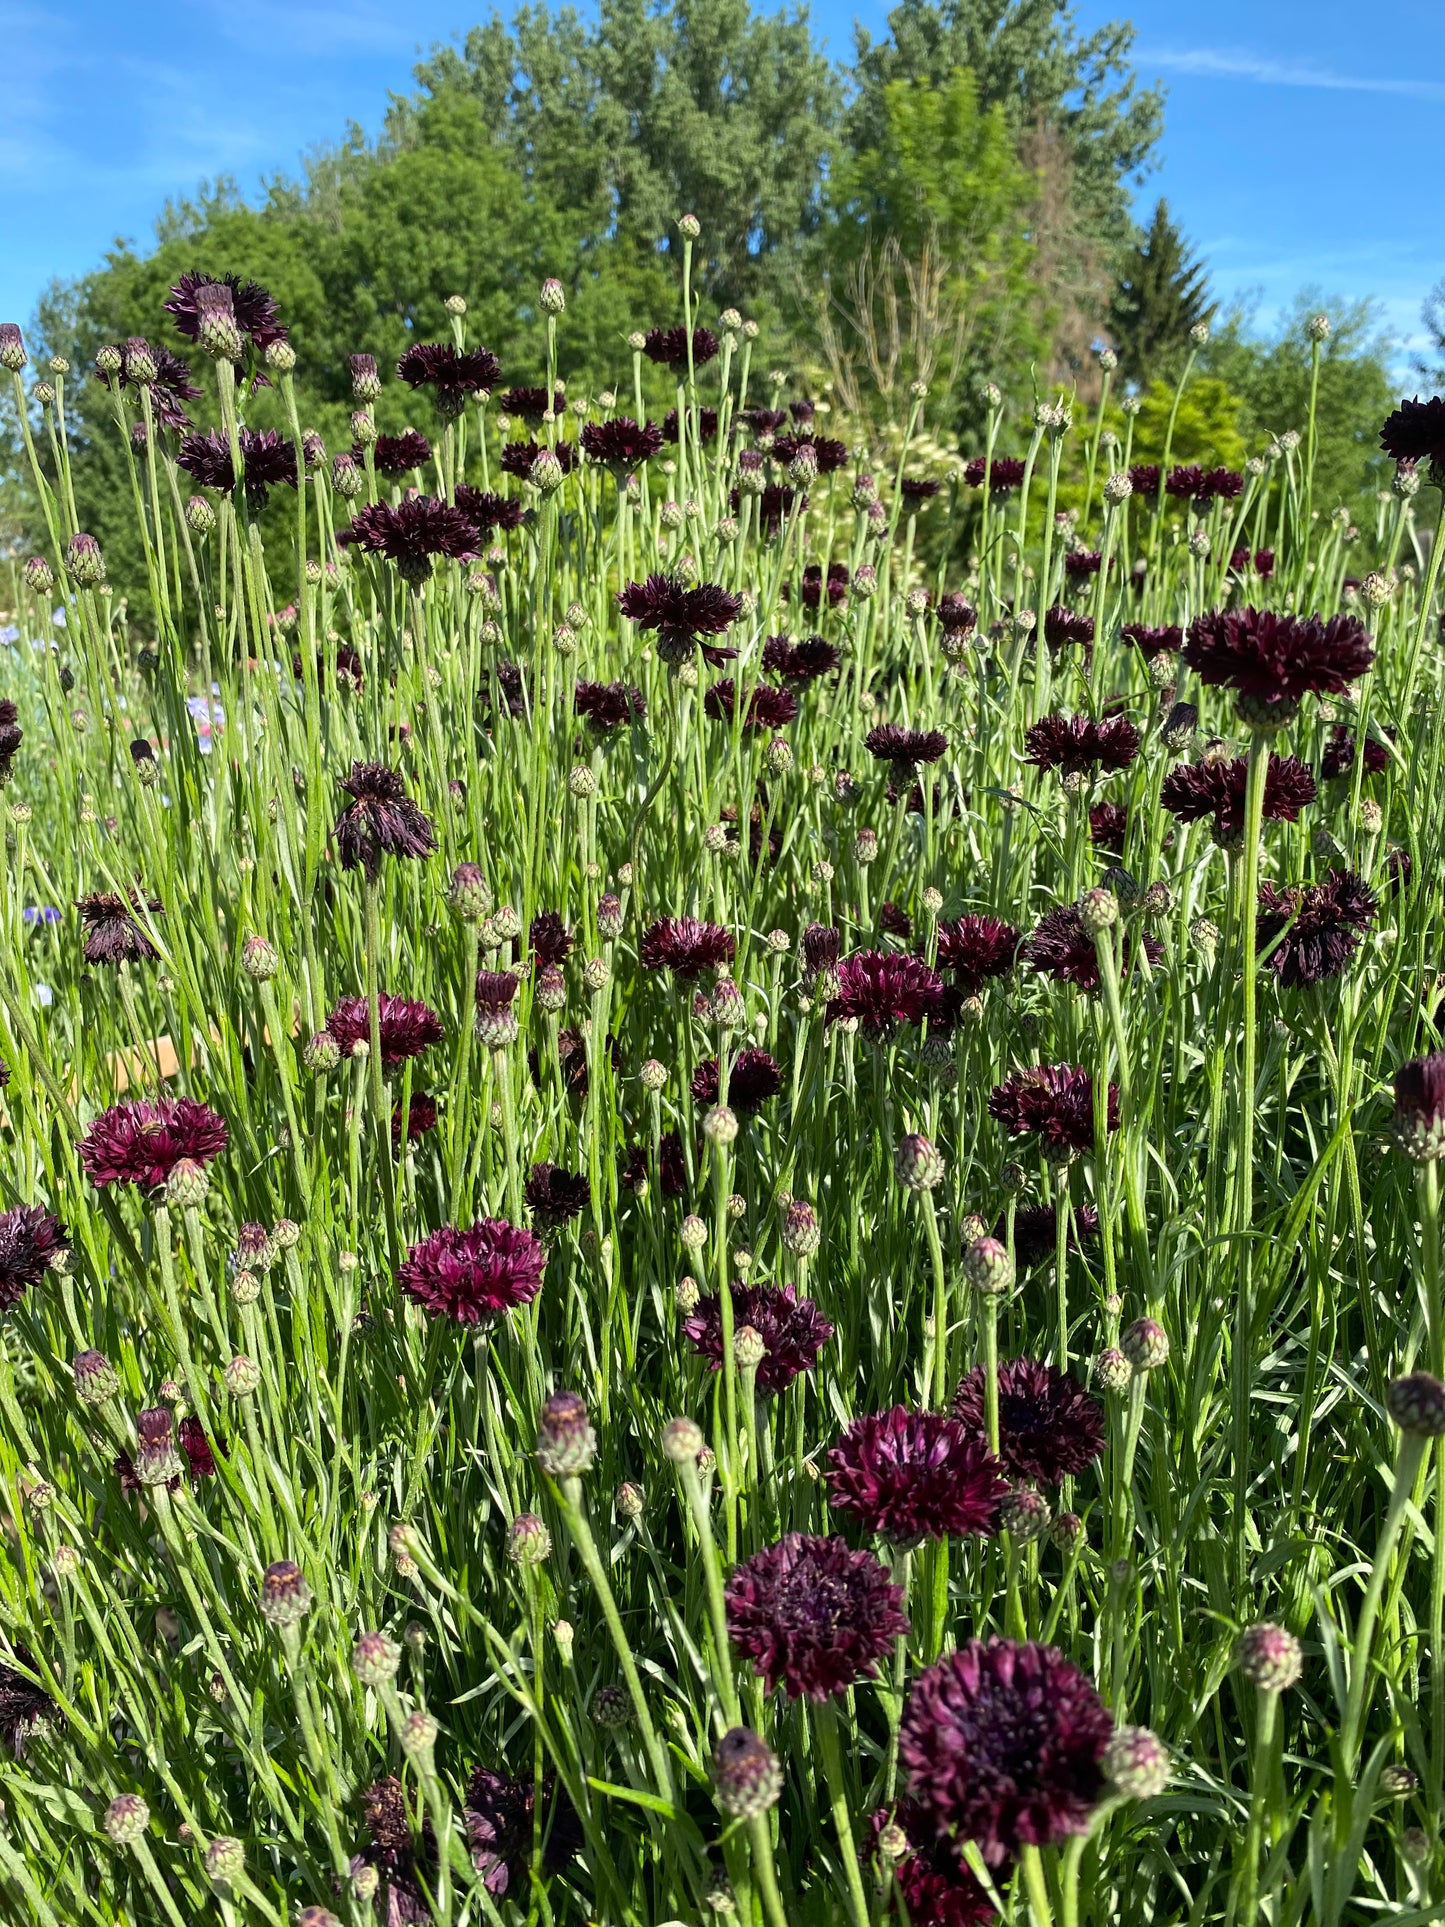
(621, 444)
(792, 1328)
(904, 749)
(973, 949)
(474, 1276)
(1152, 642)
(397, 455)
(421, 1117)
(1049, 1427)
(518, 458)
(109, 931)
(141, 1143)
(511, 689)
(1109, 827)
(830, 456)
(199, 1452)
(894, 922)
(30, 1242)
(254, 309)
(1318, 926)
(498, 1813)
(667, 347)
(685, 946)
(408, 1027)
(1419, 1108)
(1083, 562)
(799, 662)
(822, 946)
(915, 1475)
(706, 424)
(555, 1195)
(1079, 746)
(680, 615)
(956, 616)
(753, 1077)
(813, 1615)
(774, 506)
(1217, 788)
(381, 820)
(549, 939)
(1063, 628)
(769, 708)
(1145, 478)
(412, 533)
(1415, 432)
(1062, 948)
(1055, 1103)
(671, 1165)
(1186, 482)
(1220, 485)
(531, 403)
(883, 988)
(1004, 473)
(1339, 757)
(168, 379)
(267, 459)
(454, 373)
(1002, 1744)
(1272, 660)
(936, 1884)
(406, 1868)
(815, 586)
(1036, 1231)
(487, 512)
(24, 1706)
(915, 492)
(609, 705)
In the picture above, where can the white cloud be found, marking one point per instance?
(1238, 63)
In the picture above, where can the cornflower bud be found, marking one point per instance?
(225, 1861)
(96, 1379)
(242, 1376)
(1112, 1370)
(987, 1267)
(682, 1440)
(747, 1774)
(749, 1349)
(566, 1442)
(918, 1163)
(1145, 1344)
(1025, 1515)
(188, 1186)
(1136, 1763)
(720, 1126)
(126, 1819)
(1269, 1657)
(285, 1596)
(630, 1501)
(652, 1076)
(375, 1659)
(693, 1233)
(552, 296)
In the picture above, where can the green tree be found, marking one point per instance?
(1162, 293)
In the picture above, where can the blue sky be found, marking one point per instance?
(1296, 149)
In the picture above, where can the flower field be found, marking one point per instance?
(720, 1184)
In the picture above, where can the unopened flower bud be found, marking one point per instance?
(987, 1267)
(1136, 1763)
(918, 1163)
(1269, 1657)
(1025, 1515)
(747, 1774)
(242, 1376)
(96, 1379)
(285, 1596)
(566, 1442)
(126, 1819)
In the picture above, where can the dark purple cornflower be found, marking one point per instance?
(498, 1812)
(1083, 562)
(412, 533)
(110, 933)
(915, 1475)
(1080, 746)
(937, 1885)
(774, 506)
(904, 749)
(609, 705)
(572, 1059)
(815, 585)
(812, 1615)
(267, 459)
(199, 1453)
(1192, 791)
(518, 458)
(764, 421)
(474, 1276)
(1109, 827)
(1062, 948)
(1151, 641)
(380, 820)
(531, 403)
(632, 1167)
(511, 689)
(549, 939)
(680, 615)
(1272, 660)
(1049, 1427)
(801, 661)
(894, 922)
(1339, 757)
(1323, 921)
(884, 988)
(454, 373)
(956, 616)
(1221, 485)
(802, 411)
(254, 309)
(24, 1706)
(1264, 563)
(706, 425)
(168, 379)
(406, 1870)
(973, 949)
(685, 946)
(1055, 1103)
(1004, 473)
(30, 1243)
(408, 1027)
(555, 1195)
(1419, 1120)
(915, 492)
(486, 511)
(822, 947)
(1415, 432)
(396, 455)
(621, 444)
(1145, 478)
(829, 455)
(1063, 628)
(753, 1077)
(667, 347)
(142, 1143)
(1185, 482)
(1036, 1231)
(1002, 1745)
(792, 1328)
(421, 1117)
(769, 708)
(671, 1165)
(11, 737)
